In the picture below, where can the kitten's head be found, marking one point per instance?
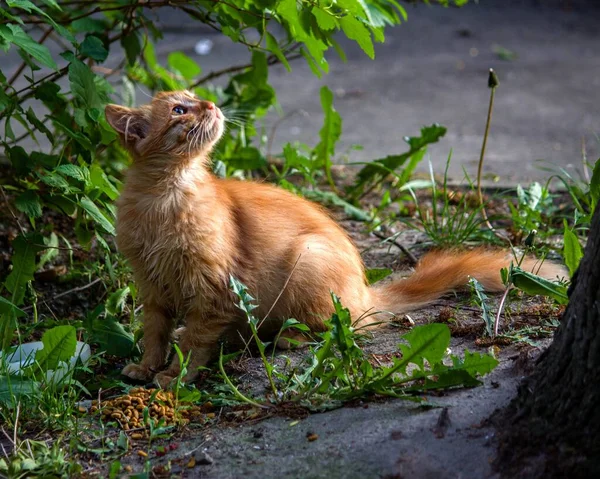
(174, 124)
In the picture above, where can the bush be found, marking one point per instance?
(77, 175)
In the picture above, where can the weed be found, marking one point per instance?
(337, 370)
(31, 458)
(449, 225)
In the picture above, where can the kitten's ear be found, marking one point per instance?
(132, 124)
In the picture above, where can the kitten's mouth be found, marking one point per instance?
(207, 129)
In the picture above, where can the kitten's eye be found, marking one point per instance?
(179, 110)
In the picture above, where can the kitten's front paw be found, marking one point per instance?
(137, 372)
(163, 380)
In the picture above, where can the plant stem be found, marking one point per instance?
(492, 84)
(235, 390)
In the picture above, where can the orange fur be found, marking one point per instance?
(185, 232)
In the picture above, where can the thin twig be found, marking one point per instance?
(411, 257)
(74, 290)
(281, 292)
(12, 213)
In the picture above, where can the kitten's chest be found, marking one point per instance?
(174, 251)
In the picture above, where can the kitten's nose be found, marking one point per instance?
(209, 105)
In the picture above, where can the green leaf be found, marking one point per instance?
(101, 181)
(60, 343)
(330, 134)
(73, 171)
(8, 326)
(116, 301)
(20, 160)
(6, 307)
(51, 252)
(53, 180)
(325, 20)
(572, 250)
(12, 388)
(376, 171)
(111, 336)
(274, 48)
(357, 31)
(83, 85)
(89, 25)
(15, 34)
(534, 285)
(183, 64)
(377, 274)
(475, 363)
(93, 47)
(428, 342)
(29, 203)
(246, 158)
(133, 47)
(30, 114)
(23, 261)
(97, 215)
(330, 198)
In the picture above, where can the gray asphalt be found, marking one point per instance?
(434, 68)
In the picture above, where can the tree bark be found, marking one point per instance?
(552, 427)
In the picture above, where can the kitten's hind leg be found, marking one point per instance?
(157, 334)
(199, 341)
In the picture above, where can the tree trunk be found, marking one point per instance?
(552, 427)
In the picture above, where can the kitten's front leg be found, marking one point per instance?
(200, 338)
(157, 334)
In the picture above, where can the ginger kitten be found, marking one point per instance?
(184, 232)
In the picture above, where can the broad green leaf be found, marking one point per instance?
(97, 215)
(111, 336)
(54, 180)
(428, 342)
(93, 47)
(288, 10)
(325, 20)
(90, 25)
(532, 284)
(8, 326)
(183, 64)
(572, 250)
(33, 119)
(356, 30)
(23, 261)
(73, 171)
(20, 160)
(6, 306)
(60, 343)
(84, 141)
(374, 173)
(116, 301)
(330, 198)
(83, 85)
(15, 34)
(377, 274)
(475, 363)
(29, 203)
(13, 387)
(101, 181)
(274, 48)
(247, 158)
(330, 134)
